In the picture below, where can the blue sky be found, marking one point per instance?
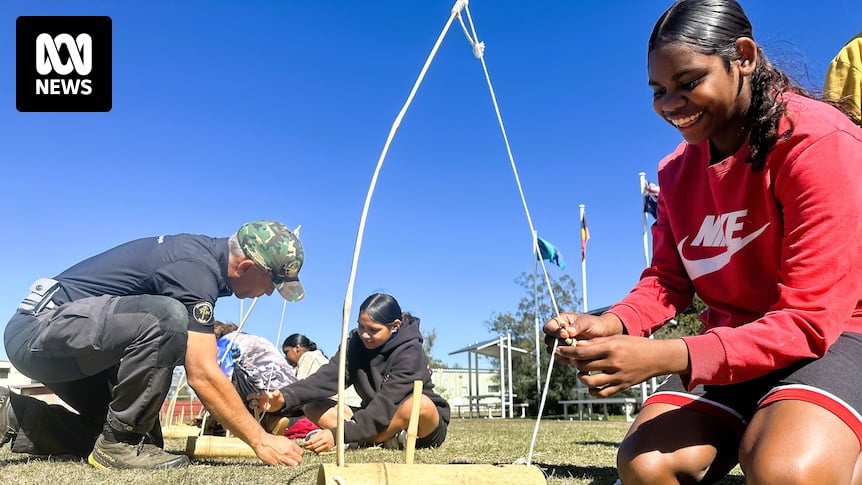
(226, 112)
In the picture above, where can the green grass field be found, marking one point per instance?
(568, 452)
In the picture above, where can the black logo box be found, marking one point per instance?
(28, 28)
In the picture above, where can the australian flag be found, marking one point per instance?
(650, 196)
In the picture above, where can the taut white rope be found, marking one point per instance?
(478, 51)
(280, 324)
(345, 315)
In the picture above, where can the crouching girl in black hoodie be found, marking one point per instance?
(384, 357)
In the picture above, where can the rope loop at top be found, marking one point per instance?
(459, 5)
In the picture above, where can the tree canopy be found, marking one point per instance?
(521, 325)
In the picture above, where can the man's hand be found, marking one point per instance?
(220, 397)
(278, 450)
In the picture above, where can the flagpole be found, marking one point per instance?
(583, 262)
(536, 257)
(643, 184)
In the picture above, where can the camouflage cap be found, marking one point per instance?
(273, 247)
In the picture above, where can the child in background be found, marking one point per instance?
(253, 364)
(384, 357)
(303, 355)
(843, 82)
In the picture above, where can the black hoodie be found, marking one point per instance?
(383, 378)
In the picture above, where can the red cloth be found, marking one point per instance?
(300, 428)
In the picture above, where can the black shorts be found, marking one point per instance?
(436, 438)
(833, 382)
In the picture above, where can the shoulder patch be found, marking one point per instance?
(203, 313)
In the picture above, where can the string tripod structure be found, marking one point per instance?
(521, 472)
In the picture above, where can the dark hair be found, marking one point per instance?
(300, 340)
(384, 309)
(221, 329)
(713, 27)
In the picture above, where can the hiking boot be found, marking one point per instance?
(124, 455)
(397, 442)
(8, 421)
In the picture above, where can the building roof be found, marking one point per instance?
(489, 348)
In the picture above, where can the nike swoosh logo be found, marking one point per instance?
(699, 267)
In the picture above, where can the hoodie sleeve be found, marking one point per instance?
(407, 365)
(320, 385)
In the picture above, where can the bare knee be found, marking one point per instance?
(647, 463)
(323, 413)
(792, 441)
(768, 465)
(428, 415)
(784, 471)
(648, 467)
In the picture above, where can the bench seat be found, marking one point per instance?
(627, 402)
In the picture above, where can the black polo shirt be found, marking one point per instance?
(190, 268)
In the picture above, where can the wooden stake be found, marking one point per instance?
(428, 474)
(180, 431)
(217, 446)
(413, 424)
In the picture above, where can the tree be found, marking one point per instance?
(521, 326)
(687, 323)
(427, 343)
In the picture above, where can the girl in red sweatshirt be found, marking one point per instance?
(758, 216)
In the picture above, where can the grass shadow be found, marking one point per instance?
(25, 459)
(611, 444)
(602, 475)
(598, 475)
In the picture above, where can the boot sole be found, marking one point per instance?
(92, 461)
(177, 463)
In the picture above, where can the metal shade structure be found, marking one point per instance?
(502, 349)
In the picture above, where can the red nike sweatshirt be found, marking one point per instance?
(775, 255)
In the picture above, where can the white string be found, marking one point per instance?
(238, 329)
(280, 323)
(479, 52)
(272, 368)
(339, 438)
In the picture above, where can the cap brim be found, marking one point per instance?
(291, 290)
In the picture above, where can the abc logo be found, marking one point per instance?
(63, 63)
(48, 60)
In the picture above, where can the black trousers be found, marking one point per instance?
(111, 358)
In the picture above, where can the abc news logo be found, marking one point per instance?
(63, 64)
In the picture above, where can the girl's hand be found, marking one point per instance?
(319, 441)
(608, 365)
(267, 401)
(567, 328)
